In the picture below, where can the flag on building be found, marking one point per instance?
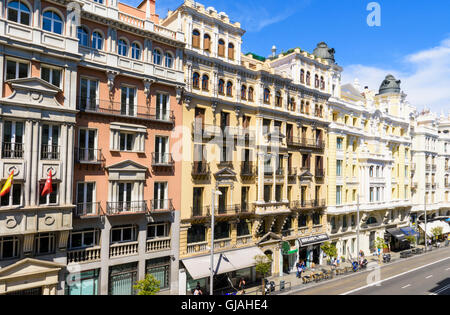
(7, 187)
(48, 188)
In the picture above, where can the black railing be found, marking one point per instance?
(200, 169)
(198, 212)
(126, 207)
(306, 143)
(247, 169)
(12, 150)
(125, 110)
(162, 205)
(88, 209)
(88, 156)
(320, 173)
(316, 203)
(162, 159)
(49, 152)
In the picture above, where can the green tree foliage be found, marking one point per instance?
(149, 286)
(329, 249)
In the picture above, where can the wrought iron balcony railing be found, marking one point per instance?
(88, 209)
(12, 150)
(162, 205)
(162, 159)
(88, 156)
(126, 207)
(49, 152)
(200, 169)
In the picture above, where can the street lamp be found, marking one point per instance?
(213, 205)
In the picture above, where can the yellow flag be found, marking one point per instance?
(7, 187)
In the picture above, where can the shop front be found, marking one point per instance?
(290, 257)
(396, 239)
(310, 251)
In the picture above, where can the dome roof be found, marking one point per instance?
(390, 85)
(322, 51)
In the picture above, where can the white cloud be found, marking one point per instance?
(426, 80)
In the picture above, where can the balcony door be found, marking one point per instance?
(161, 150)
(125, 191)
(88, 94)
(197, 203)
(199, 119)
(12, 146)
(162, 107)
(160, 197)
(223, 200)
(87, 143)
(50, 141)
(128, 101)
(85, 199)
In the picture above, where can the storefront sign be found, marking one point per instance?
(311, 240)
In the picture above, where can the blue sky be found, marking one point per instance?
(413, 41)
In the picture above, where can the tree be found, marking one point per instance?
(380, 243)
(263, 266)
(149, 286)
(411, 239)
(437, 231)
(329, 249)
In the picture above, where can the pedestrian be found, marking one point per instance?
(198, 289)
(242, 285)
(299, 269)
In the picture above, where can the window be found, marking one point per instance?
(316, 81)
(126, 142)
(122, 48)
(50, 141)
(278, 99)
(160, 269)
(158, 230)
(97, 41)
(243, 228)
(122, 234)
(344, 222)
(267, 96)
(196, 39)
(196, 234)
(196, 80)
(18, 12)
(12, 146)
(83, 239)
(128, 101)
(339, 167)
(267, 193)
(333, 223)
(44, 243)
(316, 218)
(161, 149)
(9, 247)
(157, 57)
(168, 60)
(250, 94)
(86, 199)
(50, 199)
(83, 36)
(207, 42)
(205, 82)
(52, 22)
(231, 51)
(51, 75)
(88, 94)
(221, 48)
(163, 107)
(322, 83)
(13, 198)
(302, 76)
(338, 195)
(229, 89)
(222, 231)
(84, 283)
(87, 144)
(16, 69)
(243, 92)
(340, 143)
(302, 220)
(308, 78)
(135, 51)
(160, 193)
(221, 86)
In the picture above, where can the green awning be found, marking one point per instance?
(292, 252)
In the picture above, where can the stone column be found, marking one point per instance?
(34, 165)
(274, 170)
(285, 188)
(69, 165)
(63, 170)
(28, 162)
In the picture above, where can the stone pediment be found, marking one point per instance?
(127, 166)
(29, 267)
(33, 91)
(225, 173)
(269, 237)
(306, 174)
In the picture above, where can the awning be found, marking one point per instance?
(409, 231)
(397, 233)
(313, 240)
(434, 224)
(199, 267)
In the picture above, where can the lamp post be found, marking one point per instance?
(425, 209)
(213, 206)
(357, 228)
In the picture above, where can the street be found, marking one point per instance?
(427, 274)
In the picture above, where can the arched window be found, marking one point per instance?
(267, 96)
(221, 86)
(156, 57)
(196, 80)
(250, 94)
(302, 76)
(230, 51)
(19, 12)
(308, 78)
(307, 108)
(221, 48)
(97, 40)
(196, 39)
(371, 171)
(205, 82)
(243, 92)
(122, 48)
(292, 104)
(168, 60)
(229, 88)
(278, 99)
(322, 83)
(316, 81)
(371, 220)
(83, 36)
(302, 107)
(52, 22)
(207, 42)
(135, 51)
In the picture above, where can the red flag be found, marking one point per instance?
(48, 188)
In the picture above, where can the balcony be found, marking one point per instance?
(85, 210)
(123, 249)
(88, 156)
(279, 172)
(49, 152)
(244, 240)
(200, 169)
(162, 205)
(428, 167)
(194, 248)
(86, 255)
(306, 143)
(268, 171)
(227, 210)
(308, 204)
(292, 172)
(200, 212)
(119, 109)
(158, 245)
(162, 160)
(12, 150)
(320, 173)
(248, 170)
(126, 207)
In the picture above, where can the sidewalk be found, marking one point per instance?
(291, 281)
